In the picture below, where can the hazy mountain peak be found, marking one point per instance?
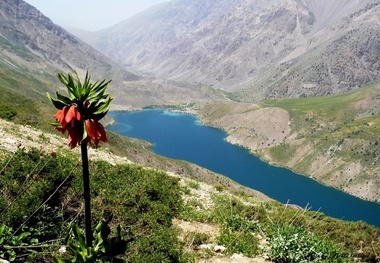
(31, 43)
(256, 47)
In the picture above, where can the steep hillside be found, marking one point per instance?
(34, 50)
(333, 139)
(182, 219)
(31, 40)
(259, 49)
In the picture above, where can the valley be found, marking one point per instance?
(258, 53)
(269, 101)
(296, 82)
(254, 49)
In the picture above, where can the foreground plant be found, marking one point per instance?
(104, 248)
(295, 245)
(79, 114)
(10, 242)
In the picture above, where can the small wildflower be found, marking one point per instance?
(62, 249)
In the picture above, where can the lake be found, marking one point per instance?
(181, 136)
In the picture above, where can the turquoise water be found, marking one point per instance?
(181, 136)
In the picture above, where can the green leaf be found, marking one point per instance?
(75, 230)
(98, 116)
(57, 103)
(64, 99)
(2, 228)
(22, 236)
(54, 123)
(104, 104)
(70, 84)
(98, 90)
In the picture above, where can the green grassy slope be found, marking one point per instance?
(343, 127)
(145, 201)
(333, 139)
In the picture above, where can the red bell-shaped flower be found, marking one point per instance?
(81, 110)
(95, 131)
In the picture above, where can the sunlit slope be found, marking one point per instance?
(343, 135)
(334, 139)
(256, 49)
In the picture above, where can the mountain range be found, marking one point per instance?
(34, 49)
(254, 48)
(221, 59)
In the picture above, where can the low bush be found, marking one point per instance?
(294, 245)
(238, 226)
(239, 242)
(42, 193)
(7, 112)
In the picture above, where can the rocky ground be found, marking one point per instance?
(262, 129)
(15, 136)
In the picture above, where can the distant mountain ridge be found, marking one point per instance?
(34, 50)
(47, 47)
(258, 49)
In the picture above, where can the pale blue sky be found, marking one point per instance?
(91, 14)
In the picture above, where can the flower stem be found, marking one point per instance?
(86, 193)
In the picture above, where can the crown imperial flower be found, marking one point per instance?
(80, 112)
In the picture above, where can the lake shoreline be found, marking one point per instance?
(269, 161)
(277, 183)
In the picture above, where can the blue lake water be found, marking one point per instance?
(181, 136)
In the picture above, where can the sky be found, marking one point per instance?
(91, 15)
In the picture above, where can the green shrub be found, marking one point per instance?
(190, 213)
(240, 242)
(195, 239)
(193, 184)
(232, 211)
(43, 193)
(28, 181)
(237, 223)
(294, 245)
(6, 112)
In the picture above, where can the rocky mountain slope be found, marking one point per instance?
(332, 139)
(34, 50)
(258, 49)
(30, 39)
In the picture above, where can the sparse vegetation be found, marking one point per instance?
(331, 138)
(142, 201)
(42, 191)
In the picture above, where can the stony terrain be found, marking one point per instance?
(257, 49)
(34, 50)
(15, 136)
(331, 156)
(249, 125)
